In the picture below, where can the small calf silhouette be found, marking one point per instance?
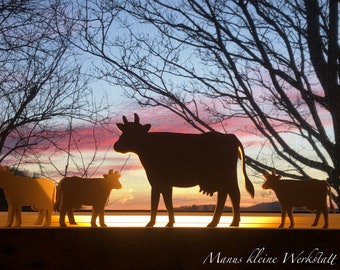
(73, 192)
(311, 193)
(39, 193)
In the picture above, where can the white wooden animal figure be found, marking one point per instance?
(39, 193)
(311, 193)
(73, 192)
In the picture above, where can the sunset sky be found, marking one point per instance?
(135, 194)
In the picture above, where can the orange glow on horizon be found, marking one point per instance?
(183, 220)
(201, 220)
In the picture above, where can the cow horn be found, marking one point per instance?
(136, 119)
(125, 120)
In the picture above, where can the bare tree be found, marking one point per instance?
(275, 63)
(41, 80)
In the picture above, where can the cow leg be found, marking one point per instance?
(317, 216)
(94, 216)
(221, 198)
(40, 217)
(283, 216)
(155, 195)
(62, 214)
(10, 215)
(48, 217)
(70, 216)
(167, 197)
(291, 217)
(18, 220)
(325, 215)
(235, 198)
(324, 210)
(101, 214)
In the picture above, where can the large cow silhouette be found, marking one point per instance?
(185, 160)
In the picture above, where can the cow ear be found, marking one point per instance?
(120, 126)
(147, 127)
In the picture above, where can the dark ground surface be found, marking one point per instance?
(163, 248)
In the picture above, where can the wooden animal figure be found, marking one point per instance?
(185, 160)
(311, 193)
(39, 193)
(73, 192)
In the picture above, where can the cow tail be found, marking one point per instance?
(249, 184)
(329, 191)
(58, 196)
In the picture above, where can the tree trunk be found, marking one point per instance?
(335, 174)
(333, 89)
